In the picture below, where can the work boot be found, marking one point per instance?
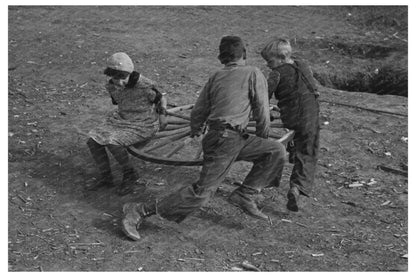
(291, 152)
(130, 177)
(245, 203)
(105, 181)
(134, 214)
(293, 199)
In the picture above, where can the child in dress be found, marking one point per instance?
(141, 113)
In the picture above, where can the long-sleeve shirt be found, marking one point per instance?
(229, 96)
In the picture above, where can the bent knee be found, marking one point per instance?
(279, 151)
(92, 143)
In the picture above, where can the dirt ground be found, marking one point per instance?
(357, 219)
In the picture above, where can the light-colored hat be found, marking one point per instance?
(120, 61)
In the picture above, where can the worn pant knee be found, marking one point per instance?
(279, 153)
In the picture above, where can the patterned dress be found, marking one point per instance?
(136, 119)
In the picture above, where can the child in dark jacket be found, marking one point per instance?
(293, 86)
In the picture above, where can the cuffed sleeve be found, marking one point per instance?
(260, 103)
(273, 82)
(201, 110)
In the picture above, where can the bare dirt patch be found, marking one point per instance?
(357, 219)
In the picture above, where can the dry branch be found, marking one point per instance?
(181, 108)
(392, 170)
(178, 115)
(171, 132)
(174, 127)
(178, 121)
(362, 108)
(86, 244)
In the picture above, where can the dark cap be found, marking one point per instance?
(231, 49)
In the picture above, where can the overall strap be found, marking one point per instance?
(305, 79)
(133, 79)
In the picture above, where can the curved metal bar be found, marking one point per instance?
(161, 160)
(197, 162)
(183, 132)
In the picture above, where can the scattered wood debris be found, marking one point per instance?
(385, 203)
(355, 185)
(349, 203)
(248, 266)
(371, 182)
(392, 170)
(192, 259)
(300, 224)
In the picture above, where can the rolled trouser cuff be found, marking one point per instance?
(303, 191)
(246, 190)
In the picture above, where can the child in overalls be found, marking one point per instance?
(292, 84)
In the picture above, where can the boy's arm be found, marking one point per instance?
(110, 89)
(163, 121)
(312, 81)
(200, 111)
(273, 82)
(260, 103)
(157, 98)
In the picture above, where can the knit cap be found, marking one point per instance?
(120, 61)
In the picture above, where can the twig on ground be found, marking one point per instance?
(392, 170)
(248, 266)
(362, 108)
(185, 259)
(300, 224)
(86, 244)
(349, 203)
(132, 251)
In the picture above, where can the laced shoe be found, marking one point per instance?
(293, 199)
(134, 214)
(246, 204)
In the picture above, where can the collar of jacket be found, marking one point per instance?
(236, 63)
